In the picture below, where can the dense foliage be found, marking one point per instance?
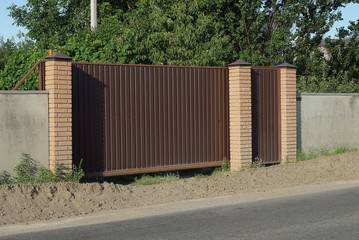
(334, 67)
(16, 61)
(189, 32)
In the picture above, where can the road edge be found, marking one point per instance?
(172, 207)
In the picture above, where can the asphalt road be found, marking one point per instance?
(326, 215)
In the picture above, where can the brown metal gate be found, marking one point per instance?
(266, 115)
(136, 118)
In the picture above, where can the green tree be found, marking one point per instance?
(344, 56)
(197, 32)
(335, 66)
(177, 32)
(23, 56)
(7, 48)
(259, 31)
(51, 22)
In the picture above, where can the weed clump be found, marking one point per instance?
(29, 171)
(5, 178)
(222, 169)
(257, 163)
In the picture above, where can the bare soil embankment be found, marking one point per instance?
(25, 203)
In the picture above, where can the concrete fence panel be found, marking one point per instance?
(23, 127)
(326, 121)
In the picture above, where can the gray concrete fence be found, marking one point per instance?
(23, 127)
(326, 121)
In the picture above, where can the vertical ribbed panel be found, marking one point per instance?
(137, 118)
(266, 115)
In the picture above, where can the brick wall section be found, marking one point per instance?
(240, 115)
(58, 79)
(288, 113)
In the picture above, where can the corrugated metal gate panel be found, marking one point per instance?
(136, 118)
(266, 115)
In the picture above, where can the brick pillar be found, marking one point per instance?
(58, 78)
(288, 112)
(240, 114)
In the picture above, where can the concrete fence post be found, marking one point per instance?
(240, 114)
(58, 83)
(288, 104)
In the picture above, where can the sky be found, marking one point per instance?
(8, 30)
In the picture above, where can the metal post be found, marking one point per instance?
(93, 14)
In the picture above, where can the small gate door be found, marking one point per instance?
(266, 115)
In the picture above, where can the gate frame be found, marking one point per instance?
(58, 82)
(240, 114)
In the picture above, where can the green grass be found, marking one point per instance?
(341, 150)
(256, 164)
(156, 179)
(302, 156)
(201, 176)
(169, 177)
(222, 169)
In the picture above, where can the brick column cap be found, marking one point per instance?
(286, 65)
(239, 63)
(58, 56)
